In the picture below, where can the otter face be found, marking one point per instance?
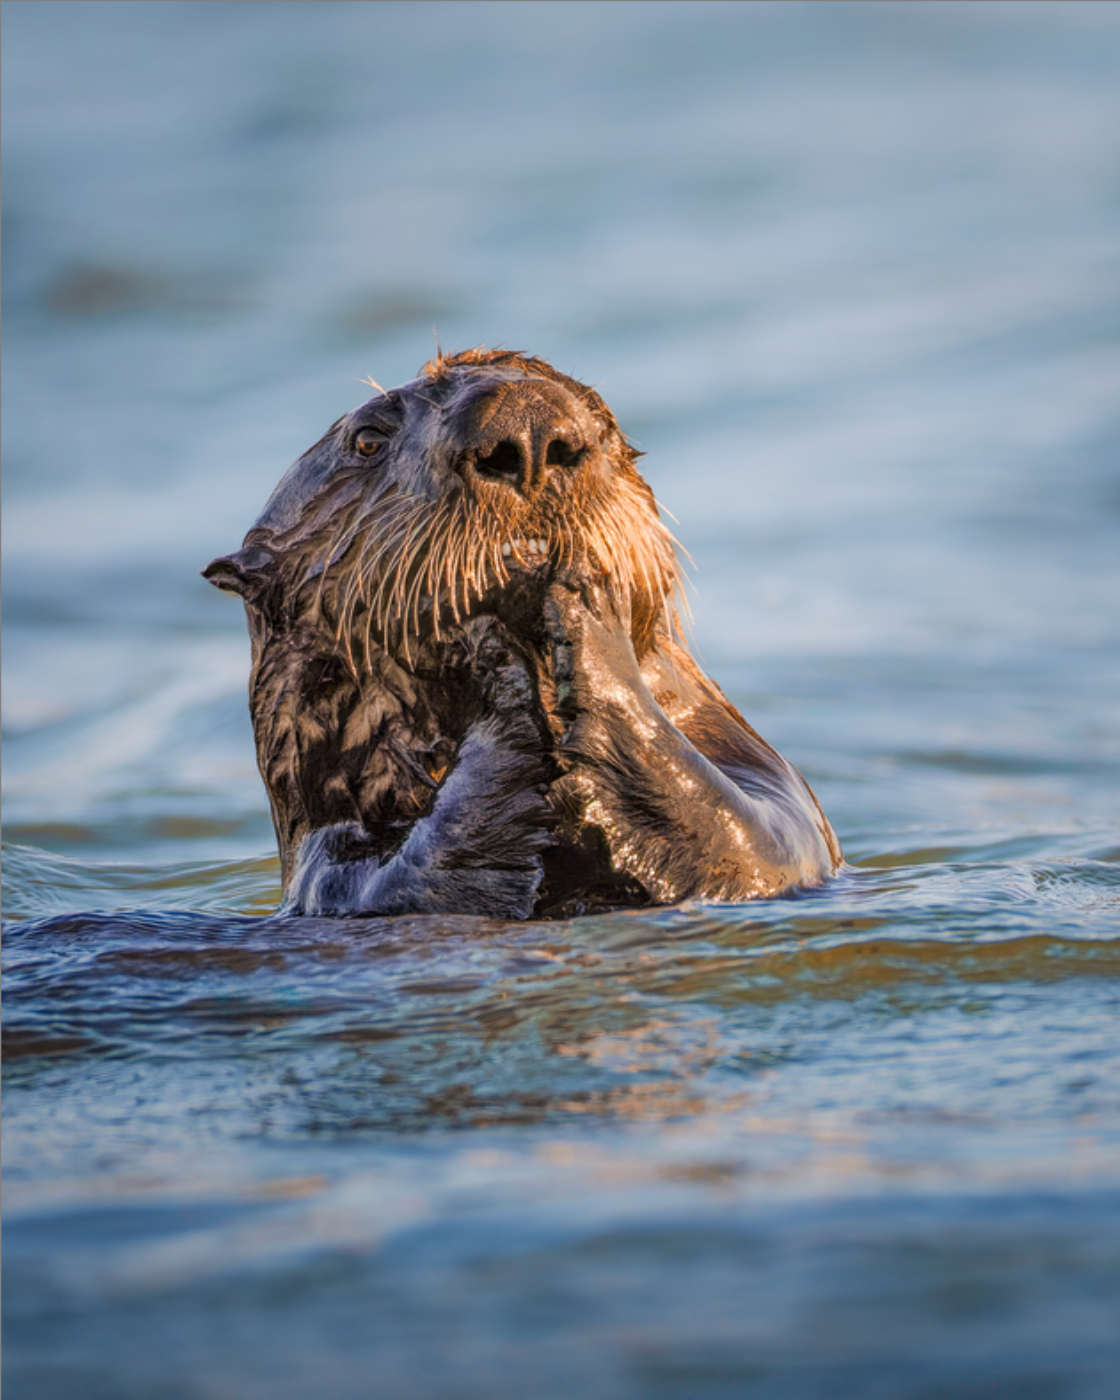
(448, 495)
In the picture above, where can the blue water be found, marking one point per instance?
(850, 276)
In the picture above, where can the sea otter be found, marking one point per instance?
(469, 692)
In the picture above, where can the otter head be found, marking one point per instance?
(463, 491)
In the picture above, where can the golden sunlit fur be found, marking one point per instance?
(403, 567)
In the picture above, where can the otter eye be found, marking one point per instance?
(368, 441)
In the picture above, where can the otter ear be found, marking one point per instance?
(241, 573)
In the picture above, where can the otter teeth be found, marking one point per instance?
(522, 547)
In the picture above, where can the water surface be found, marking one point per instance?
(850, 276)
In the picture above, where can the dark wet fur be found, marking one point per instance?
(445, 728)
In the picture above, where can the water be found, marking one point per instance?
(851, 277)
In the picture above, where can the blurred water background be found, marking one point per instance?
(850, 275)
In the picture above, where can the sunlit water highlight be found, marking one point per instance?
(850, 276)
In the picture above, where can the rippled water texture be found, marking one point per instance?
(851, 278)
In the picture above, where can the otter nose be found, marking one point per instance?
(524, 461)
(519, 434)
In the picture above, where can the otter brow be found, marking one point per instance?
(376, 423)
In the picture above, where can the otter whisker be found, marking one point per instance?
(568, 559)
(341, 545)
(422, 564)
(415, 589)
(474, 572)
(370, 557)
(462, 561)
(373, 545)
(677, 547)
(450, 548)
(386, 599)
(463, 554)
(367, 644)
(493, 549)
(431, 576)
(350, 664)
(616, 551)
(347, 612)
(401, 574)
(376, 546)
(451, 572)
(334, 555)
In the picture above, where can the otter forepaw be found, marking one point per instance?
(334, 869)
(478, 851)
(592, 656)
(498, 667)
